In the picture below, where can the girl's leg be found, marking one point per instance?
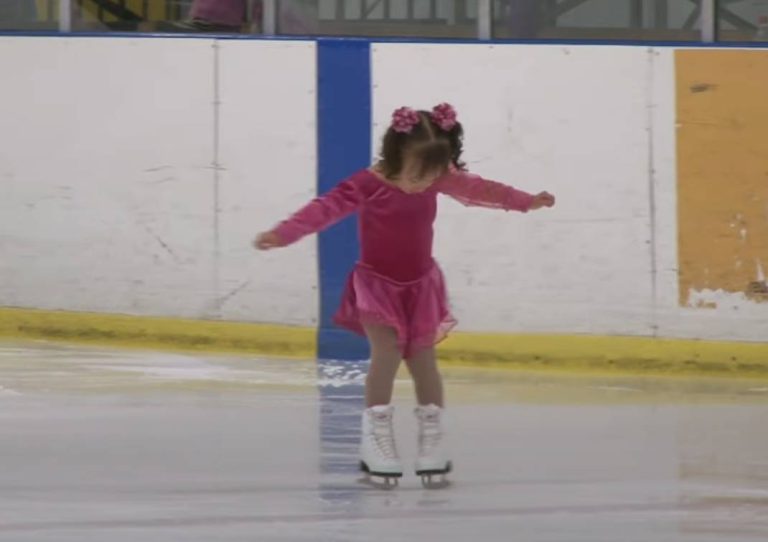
(426, 377)
(385, 360)
(432, 460)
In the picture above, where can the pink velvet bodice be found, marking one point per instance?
(396, 227)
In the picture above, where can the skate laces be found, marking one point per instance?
(382, 435)
(430, 433)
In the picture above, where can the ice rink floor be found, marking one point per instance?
(119, 446)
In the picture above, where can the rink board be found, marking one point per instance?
(147, 210)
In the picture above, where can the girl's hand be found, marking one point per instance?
(267, 241)
(543, 199)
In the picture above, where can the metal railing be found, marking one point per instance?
(703, 20)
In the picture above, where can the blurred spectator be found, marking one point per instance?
(523, 18)
(230, 16)
(17, 13)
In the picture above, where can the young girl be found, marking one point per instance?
(395, 295)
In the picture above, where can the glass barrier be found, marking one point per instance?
(405, 18)
(657, 20)
(29, 15)
(132, 16)
(743, 20)
(652, 20)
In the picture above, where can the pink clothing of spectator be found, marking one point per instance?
(523, 18)
(232, 13)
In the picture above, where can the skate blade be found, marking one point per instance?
(387, 483)
(379, 480)
(435, 481)
(435, 478)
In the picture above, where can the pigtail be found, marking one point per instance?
(435, 135)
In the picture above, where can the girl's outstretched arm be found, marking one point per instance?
(473, 190)
(317, 215)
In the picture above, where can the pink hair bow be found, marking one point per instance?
(444, 115)
(404, 119)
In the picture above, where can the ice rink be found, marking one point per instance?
(119, 446)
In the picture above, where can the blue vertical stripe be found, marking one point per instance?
(344, 146)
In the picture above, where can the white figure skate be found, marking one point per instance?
(379, 459)
(431, 465)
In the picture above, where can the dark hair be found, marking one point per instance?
(435, 149)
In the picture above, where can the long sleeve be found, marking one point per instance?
(475, 191)
(321, 213)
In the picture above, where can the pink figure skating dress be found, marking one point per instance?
(396, 282)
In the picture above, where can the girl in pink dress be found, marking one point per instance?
(396, 294)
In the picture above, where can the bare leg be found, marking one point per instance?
(426, 377)
(385, 360)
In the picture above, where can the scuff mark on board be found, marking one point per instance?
(702, 87)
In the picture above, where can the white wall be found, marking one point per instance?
(541, 118)
(107, 177)
(268, 157)
(596, 126)
(135, 172)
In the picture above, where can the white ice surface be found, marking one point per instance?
(114, 446)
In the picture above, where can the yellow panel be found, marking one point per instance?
(722, 155)
(158, 333)
(90, 12)
(42, 10)
(155, 8)
(536, 353)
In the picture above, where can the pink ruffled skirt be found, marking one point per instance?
(417, 310)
